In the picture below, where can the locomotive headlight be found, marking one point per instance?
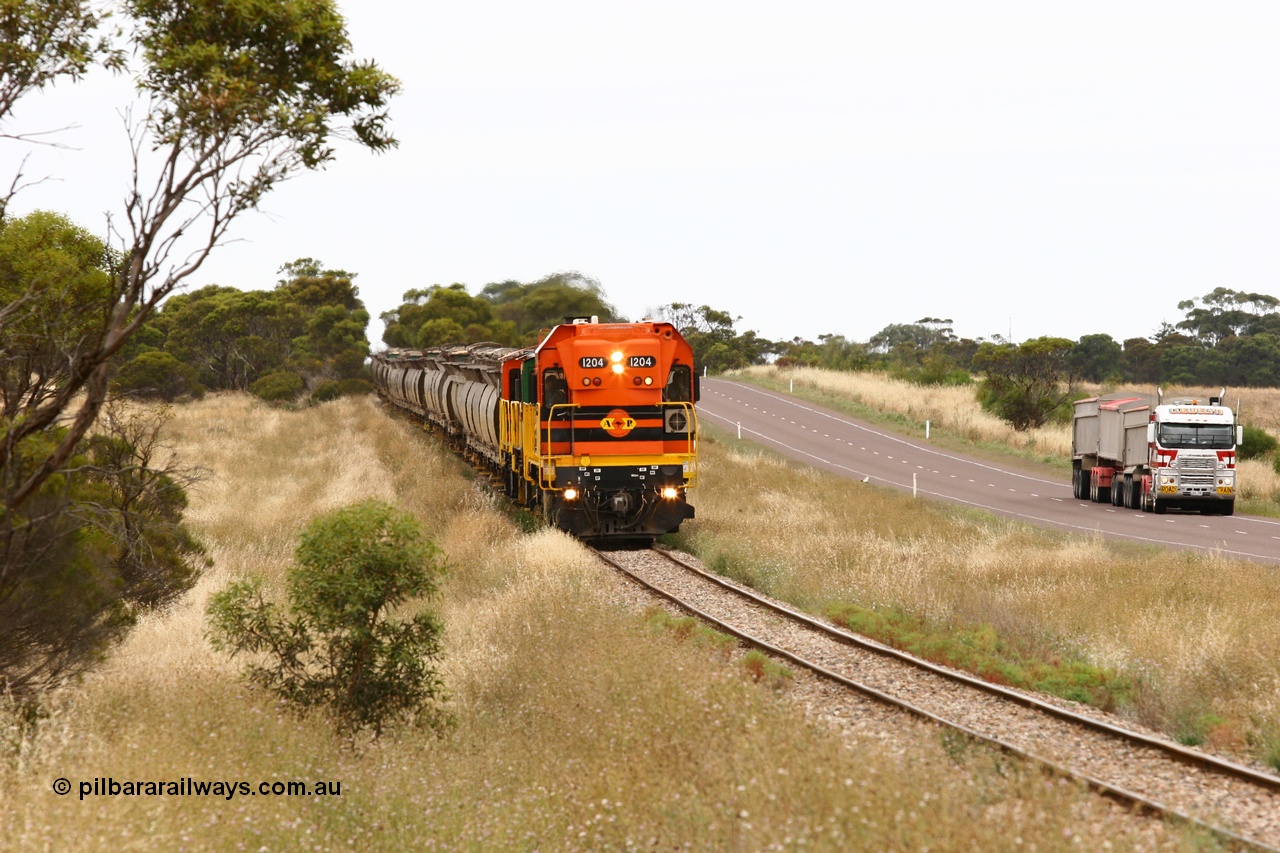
(570, 494)
(670, 493)
(616, 358)
(617, 367)
(648, 380)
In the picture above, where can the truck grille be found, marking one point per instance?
(1196, 470)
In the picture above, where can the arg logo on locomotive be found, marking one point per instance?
(618, 423)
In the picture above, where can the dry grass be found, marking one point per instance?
(577, 727)
(955, 409)
(1201, 633)
(952, 409)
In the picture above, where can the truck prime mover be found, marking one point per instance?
(1182, 455)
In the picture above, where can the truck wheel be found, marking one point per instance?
(1117, 491)
(1078, 490)
(1228, 508)
(1133, 493)
(1158, 507)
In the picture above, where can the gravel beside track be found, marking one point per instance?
(1174, 780)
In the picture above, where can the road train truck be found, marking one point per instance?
(1129, 453)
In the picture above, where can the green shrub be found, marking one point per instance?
(330, 389)
(355, 387)
(158, 376)
(1257, 442)
(338, 646)
(100, 540)
(279, 387)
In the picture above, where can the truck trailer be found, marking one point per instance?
(1128, 453)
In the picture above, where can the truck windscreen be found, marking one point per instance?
(1207, 436)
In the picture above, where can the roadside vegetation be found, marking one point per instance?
(956, 419)
(578, 723)
(1184, 643)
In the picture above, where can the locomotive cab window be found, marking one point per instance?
(555, 390)
(679, 385)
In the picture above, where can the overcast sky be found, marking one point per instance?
(1019, 168)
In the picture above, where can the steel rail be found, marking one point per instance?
(1189, 756)
(1115, 792)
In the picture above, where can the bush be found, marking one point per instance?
(279, 387)
(1257, 442)
(338, 646)
(98, 542)
(356, 387)
(158, 376)
(330, 389)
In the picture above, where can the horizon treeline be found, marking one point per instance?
(1227, 337)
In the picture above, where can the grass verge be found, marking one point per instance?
(1182, 642)
(573, 728)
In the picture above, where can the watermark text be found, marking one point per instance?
(107, 786)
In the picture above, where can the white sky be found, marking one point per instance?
(1034, 168)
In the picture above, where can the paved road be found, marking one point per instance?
(844, 445)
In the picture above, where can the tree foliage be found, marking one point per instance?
(1025, 383)
(157, 376)
(832, 352)
(98, 541)
(1226, 313)
(441, 315)
(40, 43)
(547, 302)
(311, 326)
(716, 345)
(338, 645)
(508, 312)
(1227, 337)
(1096, 358)
(239, 96)
(54, 282)
(242, 95)
(1257, 442)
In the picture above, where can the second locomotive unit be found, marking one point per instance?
(595, 428)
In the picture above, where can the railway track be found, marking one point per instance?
(1237, 803)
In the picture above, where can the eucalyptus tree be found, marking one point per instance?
(240, 95)
(237, 96)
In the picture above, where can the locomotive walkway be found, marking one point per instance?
(1039, 495)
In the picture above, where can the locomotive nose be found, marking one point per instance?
(621, 502)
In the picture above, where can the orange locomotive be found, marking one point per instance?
(595, 428)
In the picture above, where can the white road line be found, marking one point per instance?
(1005, 512)
(791, 401)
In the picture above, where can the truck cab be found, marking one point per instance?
(1193, 456)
